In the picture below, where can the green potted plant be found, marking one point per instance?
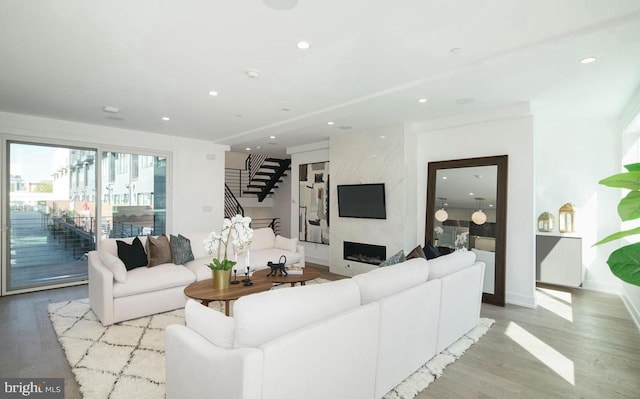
(624, 262)
(236, 231)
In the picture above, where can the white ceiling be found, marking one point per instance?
(369, 63)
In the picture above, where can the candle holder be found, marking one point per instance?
(235, 277)
(247, 281)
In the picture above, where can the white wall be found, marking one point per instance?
(371, 156)
(570, 158)
(311, 153)
(196, 183)
(502, 131)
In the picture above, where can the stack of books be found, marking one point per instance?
(294, 269)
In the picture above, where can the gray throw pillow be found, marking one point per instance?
(398, 257)
(180, 249)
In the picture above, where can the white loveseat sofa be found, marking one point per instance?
(116, 294)
(354, 338)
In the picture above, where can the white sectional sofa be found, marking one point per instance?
(354, 338)
(116, 294)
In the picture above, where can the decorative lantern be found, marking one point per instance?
(565, 218)
(546, 222)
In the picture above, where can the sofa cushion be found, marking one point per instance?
(265, 316)
(149, 279)
(115, 265)
(132, 254)
(263, 238)
(386, 281)
(396, 258)
(288, 244)
(417, 252)
(180, 249)
(211, 324)
(260, 258)
(159, 250)
(431, 251)
(451, 263)
(199, 267)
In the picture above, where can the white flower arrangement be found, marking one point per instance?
(438, 230)
(237, 231)
(461, 239)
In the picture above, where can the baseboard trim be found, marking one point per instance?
(633, 311)
(601, 286)
(316, 261)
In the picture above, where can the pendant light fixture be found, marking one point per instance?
(441, 214)
(478, 216)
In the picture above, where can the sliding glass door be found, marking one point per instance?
(60, 201)
(51, 216)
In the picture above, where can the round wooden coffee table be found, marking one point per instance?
(308, 273)
(204, 291)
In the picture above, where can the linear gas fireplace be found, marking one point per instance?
(365, 253)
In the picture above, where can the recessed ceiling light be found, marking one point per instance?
(248, 149)
(455, 50)
(383, 137)
(110, 109)
(258, 147)
(302, 45)
(286, 109)
(166, 118)
(213, 93)
(471, 194)
(444, 177)
(252, 73)
(272, 137)
(330, 123)
(490, 205)
(588, 60)
(422, 100)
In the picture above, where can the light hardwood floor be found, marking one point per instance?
(577, 344)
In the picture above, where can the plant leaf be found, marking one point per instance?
(630, 180)
(625, 263)
(629, 206)
(618, 235)
(633, 167)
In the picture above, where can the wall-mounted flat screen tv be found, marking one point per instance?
(362, 201)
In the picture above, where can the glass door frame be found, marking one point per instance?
(99, 148)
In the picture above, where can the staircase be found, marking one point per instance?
(265, 175)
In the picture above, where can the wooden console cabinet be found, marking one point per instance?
(559, 260)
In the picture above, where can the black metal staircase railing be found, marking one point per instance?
(264, 174)
(232, 206)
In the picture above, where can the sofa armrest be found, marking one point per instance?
(195, 368)
(300, 250)
(100, 289)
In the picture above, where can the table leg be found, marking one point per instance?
(226, 308)
(302, 283)
(293, 284)
(205, 302)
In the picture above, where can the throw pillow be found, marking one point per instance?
(417, 252)
(396, 258)
(211, 324)
(431, 251)
(159, 250)
(132, 255)
(288, 244)
(115, 265)
(180, 249)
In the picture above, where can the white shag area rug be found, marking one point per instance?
(126, 359)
